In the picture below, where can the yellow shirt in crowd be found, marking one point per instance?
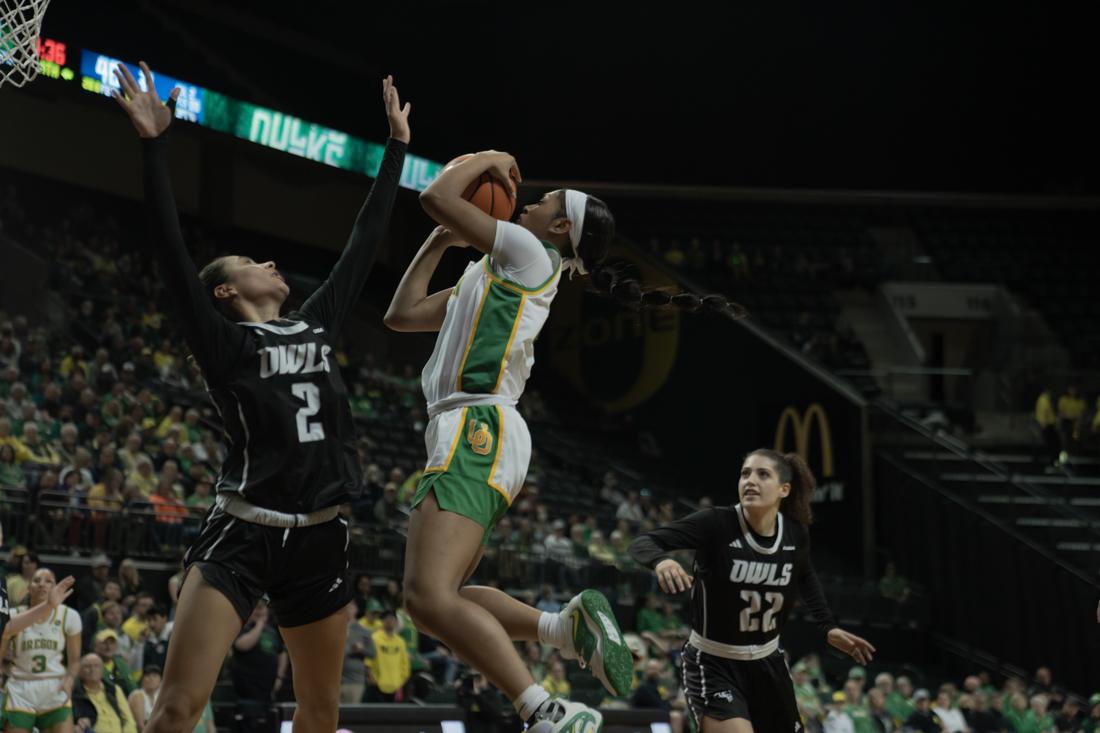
(107, 720)
(99, 499)
(555, 688)
(371, 626)
(147, 485)
(390, 666)
(1071, 408)
(21, 452)
(134, 627)
(1044, 411)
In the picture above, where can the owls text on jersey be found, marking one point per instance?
(37, 651)
(745, 585)
(287, 420)
(486, 346)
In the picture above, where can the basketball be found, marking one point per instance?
(487, 194)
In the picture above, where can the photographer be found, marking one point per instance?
(485, 708)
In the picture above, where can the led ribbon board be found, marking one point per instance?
(243, 120)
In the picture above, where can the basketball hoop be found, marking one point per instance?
(20, 25)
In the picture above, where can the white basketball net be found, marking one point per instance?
(20, 25)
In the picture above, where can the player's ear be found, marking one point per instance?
(560, 225)
(784, 490)
(225, 290)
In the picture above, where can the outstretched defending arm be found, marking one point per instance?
(215, 342)
(331, 302)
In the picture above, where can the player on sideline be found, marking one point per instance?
(275, 528)
(12, 625)
(43, 634)
(478, 444)
(752, 562)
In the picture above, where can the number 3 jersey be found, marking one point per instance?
(37, 651)
(745, 585)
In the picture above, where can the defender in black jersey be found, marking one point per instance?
(752, 563)
(275, 528)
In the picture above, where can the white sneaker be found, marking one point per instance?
(596, 642)
(568, 717)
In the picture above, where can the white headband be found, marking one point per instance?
(575, 203)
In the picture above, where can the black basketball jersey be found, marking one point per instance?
(276, 385)
(287, 420)
(745, 585)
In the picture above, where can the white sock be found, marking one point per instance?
(530, 700)
(552, 630)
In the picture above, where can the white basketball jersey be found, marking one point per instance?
(486, 347)
(38, 651)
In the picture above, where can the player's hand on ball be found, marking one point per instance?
(60, 592)
(672, 577)
(504, 168)
(854, 646)
(150, 116)
(398, 115)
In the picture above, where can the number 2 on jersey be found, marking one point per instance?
(749, 622)
(308, 393)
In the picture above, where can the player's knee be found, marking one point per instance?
(321, 706)
(426, 605)
(175, 713)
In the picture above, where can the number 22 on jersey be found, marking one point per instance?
(749, 620)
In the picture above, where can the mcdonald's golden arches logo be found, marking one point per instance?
(802, 424)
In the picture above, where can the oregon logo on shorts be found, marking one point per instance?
(479, 437)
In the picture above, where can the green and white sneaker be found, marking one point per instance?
(562, 716)
(597, 643)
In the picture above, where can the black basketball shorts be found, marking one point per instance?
(758, 690)
(302, 571)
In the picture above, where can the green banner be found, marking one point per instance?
(289, 134)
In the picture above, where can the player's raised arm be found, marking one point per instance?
(443, 198)
(40, 612)
(412, 309)
(331, 302)
(213, 340)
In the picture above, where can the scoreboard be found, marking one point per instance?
(94, 72)
(97, 74)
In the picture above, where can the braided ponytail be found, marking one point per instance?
(609, 280)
